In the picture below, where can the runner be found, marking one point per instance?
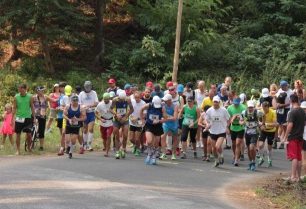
(237, 130)
(23, 116)
(121, 108)
(112, 86)
(200, 94)
(60, 120)
(294, 138)
(105, 117)
(157, 91)
(227, 83)
(282, 109)
(128, 89)
(250, 120)
(265, 97)
(217, 120)
(147, 96)
(154, 130)
(190, 125)
(189, 90)
(268, 129)
(55, 95)
(74, 116)
(136, 125)
(223, 94)
(170, 126)
(88, 100)
(205, 136)
(208, 101)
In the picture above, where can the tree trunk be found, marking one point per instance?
(47, 56)
(99, 38)
(177, 41)
(14, 52)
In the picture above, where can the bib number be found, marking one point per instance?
(217, 119)
(154, 118)
(121, 111)
(20, 120)
(281, 111)
(251, 131)
(189, 121)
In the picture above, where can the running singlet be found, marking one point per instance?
(23, 106)
(121, 108)
(251, 122)
(74, 113)
(153, 114)
(190, 116)
(170, 113)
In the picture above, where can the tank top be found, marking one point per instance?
(121, 108)
(170, 112)
(74, 113)
(251, 120)
(40, 106)
(190, 115)
(153, 114)
(23, 106)
(54, 105)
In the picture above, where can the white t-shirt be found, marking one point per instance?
(136, 114)
(199, 97)
(217, 118)
(65, 101)
(289, 92)
(104, 111)
(88, 99)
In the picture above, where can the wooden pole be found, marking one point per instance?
(177, 41)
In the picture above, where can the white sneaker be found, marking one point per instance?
(201, 144)
(198, 144)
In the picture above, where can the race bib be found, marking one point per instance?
(216, 119)
(251, 124)
(20, 120)
(154, 118)
(121, 111)
(281, 111)
(189, 121)
(251, 131)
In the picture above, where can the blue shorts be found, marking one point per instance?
(282, 118)
(90, 117)
(173, 130)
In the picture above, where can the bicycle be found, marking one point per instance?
(34, 138)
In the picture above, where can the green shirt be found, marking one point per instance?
(232, 110)
(23, 106)
(190, 116)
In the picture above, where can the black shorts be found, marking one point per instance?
(251, 139)
(41, 127)
(193, 133)
(282, 118)
(156, 130)
(24, 127)
(267, 135)
(205, 134)
(73, 130)
(304, 145)
(215, 137)
(180, 123)
(60, 122)
(135, 129)
(237, 134)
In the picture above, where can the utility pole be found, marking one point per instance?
(177, 41)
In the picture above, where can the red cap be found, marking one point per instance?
(169, 84)
(111, 81)
(149, 84)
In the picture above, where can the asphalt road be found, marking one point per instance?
(93, 181)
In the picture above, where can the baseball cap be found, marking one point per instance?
(106, 95)
(169, 84)
(283, 83)
(122, 95)
(236, 101)
(150, 84)
(74, 98)
(167, 97)
(112, 94)
(250, 104)
(40, 88)
(180, 88)
(189, 85)
(303, 105)
(111, 81)
(87, 86)
(156, 102)
(56, 85)
(127, 86)
(68, 90)
(242, 97)
(216, 99)
(265, 92)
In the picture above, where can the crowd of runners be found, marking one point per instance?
(162, 123)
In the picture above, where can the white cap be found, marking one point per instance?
(216, 99)
(242, 97)
(250, 104)
(303, 105)
(265, 93)
(167, 97)
(156, 102)
(122, 95)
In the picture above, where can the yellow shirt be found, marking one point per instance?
(270, 118)
(206, 102)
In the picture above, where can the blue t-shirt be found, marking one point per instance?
(60, 113)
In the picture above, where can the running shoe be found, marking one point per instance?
(204, 157)
(70, 155)
(67, 150)
(90, 149)
(122, 154)
(153, 161)
(269, 163)
(173, 157)
(198, 144)
(261, 161)
(195, 155)
(134, 150)
(216, 163)
(137, 152)
(168, 152)
(82, 150)
(241, 157)
(201, 144)
(221, 160)
(178, 151)
(61, 152)
(163, 157)
(236, 164)
(250, 166)
(274, 146)
(117, 155)
(184, 156)
(253, 167)
(147, 160)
